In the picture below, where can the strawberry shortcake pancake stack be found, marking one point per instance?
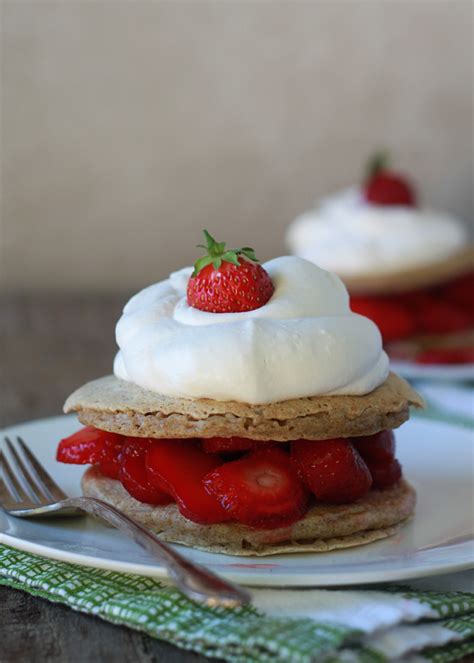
(408, 268)
(250, 412)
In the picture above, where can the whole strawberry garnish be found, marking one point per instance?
(228, 280)
(385, 187)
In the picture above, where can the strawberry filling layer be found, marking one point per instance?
(259, 484)
(444, 309)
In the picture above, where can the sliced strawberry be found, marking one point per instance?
(221, 445)
(461, 291)
(441, 317)
(445, 356)
(82, 447)
(384, 474)
(392, 318)
(379, 447)
(260, 490)
(413, 300)
(228, 280)
(332, 469)
(90, 446)
(110, 466)
(179, 466)
(133, 474)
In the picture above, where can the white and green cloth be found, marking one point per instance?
(370, 625)
(407, 624)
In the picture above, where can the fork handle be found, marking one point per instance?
(193, 579)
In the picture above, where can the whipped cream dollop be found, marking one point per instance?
(349, 236)
(304, 341)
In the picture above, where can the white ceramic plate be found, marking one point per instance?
(437, 458)
(413, 371)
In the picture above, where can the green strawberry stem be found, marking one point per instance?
(377, 163)
(217, 254)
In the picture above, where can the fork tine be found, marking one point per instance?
(16, 489)
(43, 479)
(7, 498)
(24, 474)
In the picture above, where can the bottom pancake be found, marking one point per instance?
(325, 527)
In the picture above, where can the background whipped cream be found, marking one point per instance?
(349, 236)
(304, 341)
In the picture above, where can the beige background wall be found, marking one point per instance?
(129, 126)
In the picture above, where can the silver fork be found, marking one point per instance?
(28, 491)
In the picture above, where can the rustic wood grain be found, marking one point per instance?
(35, 631)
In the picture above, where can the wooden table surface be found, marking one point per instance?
(48, 347)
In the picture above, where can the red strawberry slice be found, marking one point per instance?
(461, 292)
(261, 490)
(378, 447)
(384, 187)
(133, 474)
(110, 466)
(413, 300)
(228, 281)
(392, 318)
(463, 355)
(332, 469)
(91, 446)
(441, 317)
(179, 466)
(220, 445)
(384, 474)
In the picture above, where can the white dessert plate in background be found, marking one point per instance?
(451, 372)
(437, 458)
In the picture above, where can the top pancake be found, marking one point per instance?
(422, 276)
(122, 407)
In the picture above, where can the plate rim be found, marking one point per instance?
(309, 580)
(282, 580)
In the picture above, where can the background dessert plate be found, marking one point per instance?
(414, 371)
(437, 458)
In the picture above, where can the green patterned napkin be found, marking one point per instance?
(295, 626)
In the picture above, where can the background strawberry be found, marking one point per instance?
(228, 280)
(463, 355)
(384, 187)
(392, 317)
(441, 317)
(461, 291)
